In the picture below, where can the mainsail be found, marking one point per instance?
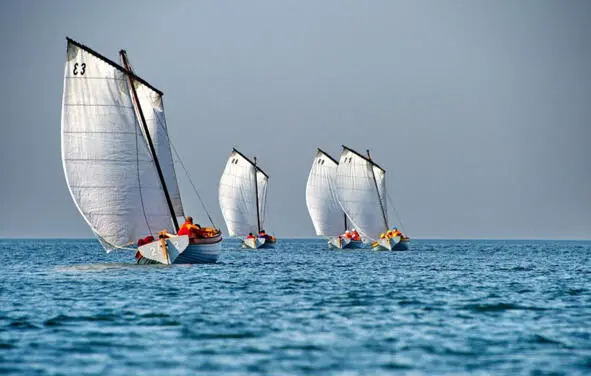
(361, 189)
(323, 205)
(109, 170)
(237, 195)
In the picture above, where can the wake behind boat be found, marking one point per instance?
(328, 217)
(242, 196)
(361, 189)
(118, 162)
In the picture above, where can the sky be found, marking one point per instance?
(480, 111)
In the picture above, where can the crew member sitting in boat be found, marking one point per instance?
(394, 232)
(348, 234)
(188, 228)
(355, 235)
(143, 241)
(250, 236)
(397, 232)
(389, 234)
(268, 238)
(263, 234)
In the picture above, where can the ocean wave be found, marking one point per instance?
(499, 307)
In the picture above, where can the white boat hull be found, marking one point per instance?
(386, 244)
(200, 254)
(256, 243)
(392, 244)
(179, 251)
(344, 243)
(253, 243)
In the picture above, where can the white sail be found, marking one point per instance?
(109, 169)
(153, 110)
(237, 195)
(356, 189)
(263, 181)
(324, 208)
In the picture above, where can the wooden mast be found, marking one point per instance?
(123, 55)
(378, 191)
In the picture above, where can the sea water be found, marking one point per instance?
(445, 307)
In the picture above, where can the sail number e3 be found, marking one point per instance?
(79, 69)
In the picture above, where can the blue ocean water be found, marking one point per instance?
(445, 307)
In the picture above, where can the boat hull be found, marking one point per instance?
(386, 244)
(269, 243)
(402, 245)
(344, 243)
(355, 244)
(392, 244)
(256, 243)
(253, 243)
(178, 250)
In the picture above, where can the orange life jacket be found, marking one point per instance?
(185, 229)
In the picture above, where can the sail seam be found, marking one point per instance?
(95, 105)
(111, 187)
(124, 214)
(94, 132)
(106, 78)
(107, 160)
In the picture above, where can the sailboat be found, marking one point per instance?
(118, 163)
(328, 217)
(242, 196)
(361, 189)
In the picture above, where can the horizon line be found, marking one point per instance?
(324, 238)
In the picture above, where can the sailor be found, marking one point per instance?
(188, 228)
(250, 236)
(262, 234)
(348, 234)
(355, 235)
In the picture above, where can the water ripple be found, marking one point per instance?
(447, 307)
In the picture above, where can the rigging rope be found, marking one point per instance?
(192, 184)
(395, 212)
(178, 157)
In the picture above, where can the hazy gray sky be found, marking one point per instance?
(480, 111)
